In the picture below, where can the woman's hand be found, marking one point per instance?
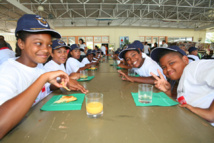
(74, 76)
(74, 85)
(51, 77)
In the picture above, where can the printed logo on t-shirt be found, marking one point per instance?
(43, 89)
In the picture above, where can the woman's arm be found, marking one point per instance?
(83, 68)
(13, 110)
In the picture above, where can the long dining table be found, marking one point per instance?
(122, 121)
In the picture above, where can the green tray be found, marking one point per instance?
(74, 105)
(158, 99)
(86, 79)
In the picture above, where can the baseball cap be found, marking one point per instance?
(131, 47)
(192, 49)
(56, 44)
(74, 46)
(34, 23)
(138, 44)
(157, 51)
(90, 52)
(99, 51)
(94, 51)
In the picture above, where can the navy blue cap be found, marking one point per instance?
(58, 44)
(34, 23)
(131, 47)
(138, 44)
(94, 51)
(192, 49)
(99, 51)
(157, 51)
(117, 51)
(90, 52)
(74, 46)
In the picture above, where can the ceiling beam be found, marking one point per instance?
(204, 27)
(20, 6)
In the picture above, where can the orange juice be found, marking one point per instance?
(94, 107)
(83, 76)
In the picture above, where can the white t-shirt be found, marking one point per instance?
(73, 65)
(5, 54)
(16, 77)
(164, 45)
(53, 66)
(103, 49)
(148, 66)
(192, 57)
(146, 49)
(85, 61)
(196, 84)
(82, 46)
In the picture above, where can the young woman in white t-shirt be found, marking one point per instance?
(89, 58)
(72, 64)
(83, 49)
(22, 79)
(58, 58)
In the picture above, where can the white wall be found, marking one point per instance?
(115, 32)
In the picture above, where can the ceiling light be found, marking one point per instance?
(40, 8)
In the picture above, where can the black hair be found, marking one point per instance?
(165, 52)
(81, 40)
(2, 43)
(23, 36)
(96, 47)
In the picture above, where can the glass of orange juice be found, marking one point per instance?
(94, 105)
(83, 74)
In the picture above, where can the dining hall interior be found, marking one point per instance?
(128, 41)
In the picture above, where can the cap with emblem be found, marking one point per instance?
(56, 44)
(34, 23)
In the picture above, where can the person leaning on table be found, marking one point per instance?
(196, 80)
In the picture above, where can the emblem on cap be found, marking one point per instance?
(42, 21)
(61, 42)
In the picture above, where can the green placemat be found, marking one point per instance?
(119, 68)
(86, 79)
(158, 99)
(137, 75)
(113, 65)
(74, 105)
